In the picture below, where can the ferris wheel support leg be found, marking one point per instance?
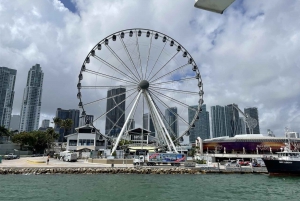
(126, 122)
(158, 129)
(161, 122)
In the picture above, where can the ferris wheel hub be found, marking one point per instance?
(144, 84)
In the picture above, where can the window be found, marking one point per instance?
(72, 142)
(86, 142)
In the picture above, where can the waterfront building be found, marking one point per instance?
(148, 124)
(83, 120)
(172, 121)
(115, 118)
(45, 123)
(32, 100)
(253, 112)
(72, 114)
(202, 126)
(218, 121)
(7, 86)
(15, 122)
(84, 140)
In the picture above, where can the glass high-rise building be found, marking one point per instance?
(72, 114)
(232, 120)
(148, 124)
(172, 121)
(32, 100)
(115, 118)
(15, 122)
(253, 112)
(131, 124)
(218, 121)
(7, 86)
(202, 126)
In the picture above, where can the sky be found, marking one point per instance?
(248, 56)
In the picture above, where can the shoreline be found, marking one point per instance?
(118, 170)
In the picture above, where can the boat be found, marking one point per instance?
(287, 162)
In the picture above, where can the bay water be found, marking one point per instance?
(134, 187)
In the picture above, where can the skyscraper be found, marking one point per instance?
(7, 86)
(131, 124)
(253, 112)
(218, 121)
(45, 123)
(172, 121)
(32, 100)
(148, 124)
(232, 120)
(202, 127)
(72, 114)
(15, 122)
(115, 118)
(243, 125)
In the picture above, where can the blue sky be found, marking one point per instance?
(248, 56)
(70, 5)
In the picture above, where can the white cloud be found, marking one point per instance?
(249, 58)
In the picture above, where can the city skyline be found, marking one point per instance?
(228, 75)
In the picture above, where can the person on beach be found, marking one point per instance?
(48, 160)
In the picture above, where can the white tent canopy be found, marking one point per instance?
(217, 6)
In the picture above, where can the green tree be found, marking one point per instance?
(66, 125)
(51, 136)
(37, 141)
(4, 131)
(57, 121)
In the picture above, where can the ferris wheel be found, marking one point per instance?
(135, 75)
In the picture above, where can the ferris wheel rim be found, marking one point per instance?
(140, 84)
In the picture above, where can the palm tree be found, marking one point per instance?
(57, 121)
(4, 132)
(66, 125)
(51, 136)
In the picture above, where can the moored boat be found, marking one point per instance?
(286, 162)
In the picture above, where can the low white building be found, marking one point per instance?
(85, 140)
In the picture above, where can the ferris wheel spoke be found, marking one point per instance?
(129, 56)
(138, 48)
(169, 109)
(163, 66)
(105, 87)
(112, 67)
(106, 98)
(114, 106)
(172, 99)
(156, 60)
(172, 81)
(122, 62)
(109, 76)
(175, 90)
(170, 72)
(149, 51)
